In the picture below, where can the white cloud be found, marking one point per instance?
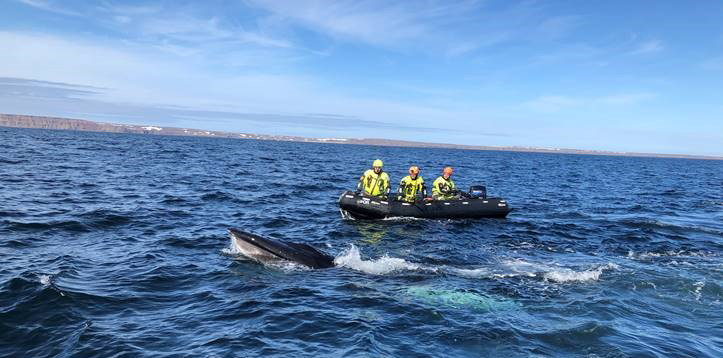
(648, 47)
(131, 10)
(122, 19)
(552, 103)
(625, 98)
(49, 6)
(557, 103)
(573, 52)
(185, 28)
(373, 22)
(139, 75)
(559, 26)
(713, 64)
(448, 28)
(176, 27)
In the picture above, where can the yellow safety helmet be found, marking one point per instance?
(413, 170)
(378, 163)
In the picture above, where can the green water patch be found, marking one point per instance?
(439, 297)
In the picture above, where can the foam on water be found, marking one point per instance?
(671, 253)
(554, 273)
(45, 280)
(568, 275)
(402, 218)
(351, 258)
(697, 287)
(472, 273)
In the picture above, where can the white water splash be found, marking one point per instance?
(45, 280)
(698, 286)
(671, 253)
(402, 218)
(287, 266)
(351, 258)
(231, 250)
(519, 267)
(568, 275)
(471, 273)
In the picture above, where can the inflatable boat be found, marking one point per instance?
(357, 206)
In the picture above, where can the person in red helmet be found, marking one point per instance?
(443, 187)
(411, 185)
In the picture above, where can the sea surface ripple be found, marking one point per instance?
(115, 245)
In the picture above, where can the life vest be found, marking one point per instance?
(375, 184)
(442, 187)
(410, 187)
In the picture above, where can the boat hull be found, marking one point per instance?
(364, 207)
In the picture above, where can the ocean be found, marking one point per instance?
(115, 245)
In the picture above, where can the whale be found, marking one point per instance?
(267, 250)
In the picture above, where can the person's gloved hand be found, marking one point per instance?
(357, 192)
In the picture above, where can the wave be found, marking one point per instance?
(196, 243)
(67, 225)
(650, 223)
(569, 275)
(48, 280)
(670, 253)
(351, 258)
(170, 199)
(11, 161)
(104, 218)
(12, 213)
(216, 196)
(517, 267)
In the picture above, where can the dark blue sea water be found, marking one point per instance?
(116, 246)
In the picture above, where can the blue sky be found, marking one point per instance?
(635, 76)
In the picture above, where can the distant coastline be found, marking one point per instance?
(41, 122)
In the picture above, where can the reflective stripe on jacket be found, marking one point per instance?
(375, 184)
(408, 188)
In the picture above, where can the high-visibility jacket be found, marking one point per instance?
(444, 189)
(375, 184)
(408, 188)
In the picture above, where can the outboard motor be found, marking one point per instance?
(478, 191)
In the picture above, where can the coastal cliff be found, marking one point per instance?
(55, 123)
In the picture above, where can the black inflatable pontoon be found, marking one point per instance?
(364, 207)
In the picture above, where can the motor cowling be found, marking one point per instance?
(478, 191)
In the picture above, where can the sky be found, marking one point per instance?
(628, 76)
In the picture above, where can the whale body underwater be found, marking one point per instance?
(264, 249)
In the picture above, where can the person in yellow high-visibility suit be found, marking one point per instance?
(374, 182)
(411, 185)
(443, 187)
